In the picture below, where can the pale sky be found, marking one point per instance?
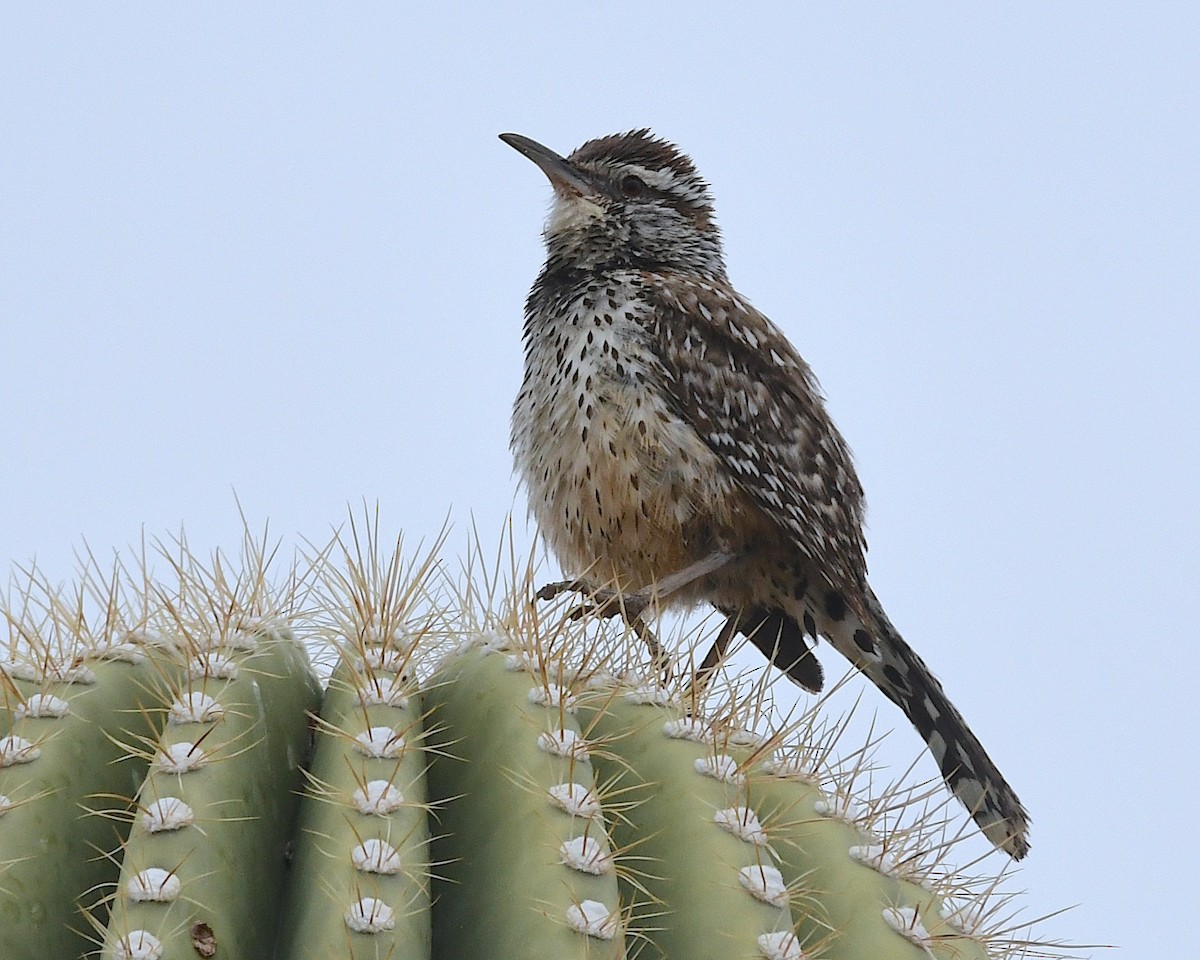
(277, 250)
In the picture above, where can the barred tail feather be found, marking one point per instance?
(902, 676)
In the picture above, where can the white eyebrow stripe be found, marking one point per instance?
(668, 181)
(663, 179)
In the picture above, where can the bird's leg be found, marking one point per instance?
(605, 602)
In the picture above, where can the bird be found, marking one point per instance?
(675, 446)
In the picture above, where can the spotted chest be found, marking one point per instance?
(617, 482)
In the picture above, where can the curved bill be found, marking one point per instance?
(560, 171)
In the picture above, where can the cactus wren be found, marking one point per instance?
(675, 445)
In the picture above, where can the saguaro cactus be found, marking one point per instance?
(524, 818)
(360, 879)
(63, 748)
(204, 865)
(473, 780)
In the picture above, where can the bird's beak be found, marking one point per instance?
(563, 176)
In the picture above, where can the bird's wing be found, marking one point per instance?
(753, 400)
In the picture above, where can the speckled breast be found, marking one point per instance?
(620, 486)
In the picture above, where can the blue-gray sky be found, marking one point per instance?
(278, 249)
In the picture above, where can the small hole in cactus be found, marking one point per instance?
(204, 941)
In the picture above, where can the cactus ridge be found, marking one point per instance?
(359, 884)
(477, 776)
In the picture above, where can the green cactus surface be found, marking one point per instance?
(701, 890)
(360, 880)
(860, 898)
(475, 777)
(206, 861)
(62, 755)
(516, 813)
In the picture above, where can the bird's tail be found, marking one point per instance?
(879, 651)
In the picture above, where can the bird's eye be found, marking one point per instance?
(632, 186)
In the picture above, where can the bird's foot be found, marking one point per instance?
(605, 603)
(599, 602)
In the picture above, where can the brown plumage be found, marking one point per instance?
(668, 432)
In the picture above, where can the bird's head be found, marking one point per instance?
(627, 200)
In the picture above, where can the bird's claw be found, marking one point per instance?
(606, 603)
(599, 601)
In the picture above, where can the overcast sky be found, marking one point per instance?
(277, 249)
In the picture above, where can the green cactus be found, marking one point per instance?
(864, 898)
(63, 749)
(205, 863)
(705, 892)
(360, 877)
(471, 783)
(518, 814)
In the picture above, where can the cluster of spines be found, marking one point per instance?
(204, 865)
(360, 884)
(61, 729)
(515, 799)
(520, 814)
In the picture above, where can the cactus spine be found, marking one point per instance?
(205, 863)
(360, 878)
(520, 815)
(511, 797)
(63, 753)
